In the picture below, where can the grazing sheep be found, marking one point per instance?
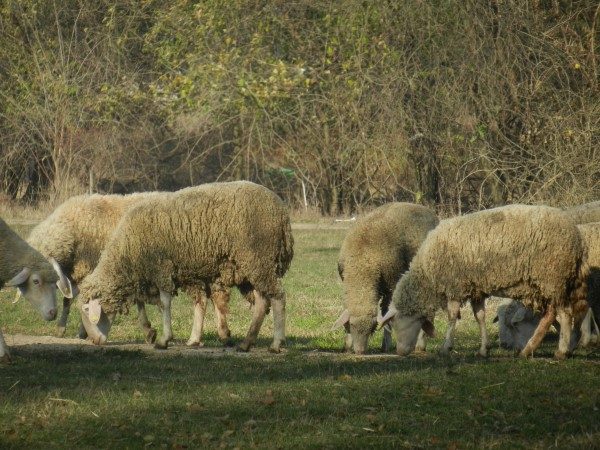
(590, 232)
(530, 253)
(75, 235)
(21, 266)
(233, 234)
(516, 325)
(375, 252)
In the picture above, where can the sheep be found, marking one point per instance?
(375, 252)
(531, 253)
(23, 267)
(232, 234)
(586, 213)
(520, 323)
(516, 325)
(75, 235)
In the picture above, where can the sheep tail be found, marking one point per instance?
(286, 249)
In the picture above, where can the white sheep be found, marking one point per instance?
(234, 234)
(375, 252)
(76, 233)
(23, 267)
(531, 253)
(516, 325)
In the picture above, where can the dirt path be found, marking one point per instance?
(28, 345)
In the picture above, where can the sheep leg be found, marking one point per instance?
(565, 319)
(144, 323)
(220, 299)
(386, 340)
(4, 353)
(421, 342)
(586, 329)
(479, 313)
(258, 315)
(278, 304)
(453, 313)
(195, 339)
(82, 332)
(539, 333)
(167, 332)
(61, 326)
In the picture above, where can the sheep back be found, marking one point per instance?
(586, 213)
(375, 253)
(531, 253)
(77, 231)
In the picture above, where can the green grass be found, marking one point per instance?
(113, 398)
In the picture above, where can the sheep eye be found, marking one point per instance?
(36, 281)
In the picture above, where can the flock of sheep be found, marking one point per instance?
(399, 265)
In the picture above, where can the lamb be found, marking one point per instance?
(375, 252)
(232, 234)
(531, 253)
(75, 235)
(23, 267)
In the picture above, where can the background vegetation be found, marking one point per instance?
(127, 395)
(335, 105)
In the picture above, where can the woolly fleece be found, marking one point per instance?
(235, 233)
(15, 254)
(77, 231)
(530, 253)
(375, 253)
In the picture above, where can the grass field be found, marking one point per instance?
(310, 396)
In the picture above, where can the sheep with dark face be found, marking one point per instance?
(374, 254)
(23, 267)
(531, 253)
(233, 234)
(75, 235)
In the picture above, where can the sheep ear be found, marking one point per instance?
(495, 319)
(17, 296)
(518, 316)
(428, 328)
(94, 311)
(342, 320)
(19, 278)
(389, 315)
(63, 283)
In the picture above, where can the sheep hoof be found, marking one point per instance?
(420, 351)
(5, 359)
(560, 355)
(99, 340)
(159, 345)
(243, 347)
(151, 336)
(481, 354)
(273, 349)
(60, 331)
(526, 352)
(194, 343)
